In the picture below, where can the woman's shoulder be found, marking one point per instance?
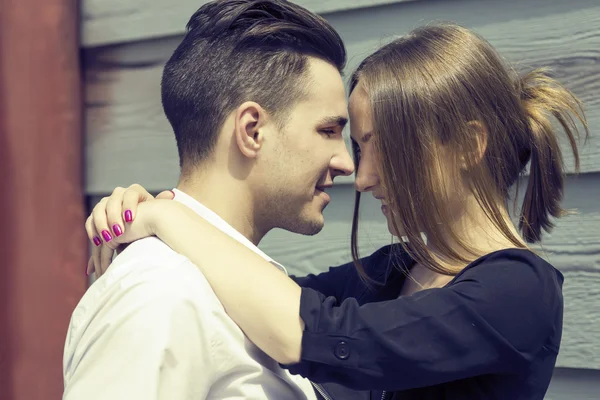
(516, 276)
(518, 262)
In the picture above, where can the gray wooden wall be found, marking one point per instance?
(129, 140)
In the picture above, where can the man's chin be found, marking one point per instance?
(312, 229)
(309, 227)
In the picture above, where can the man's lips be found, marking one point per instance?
(320, 191)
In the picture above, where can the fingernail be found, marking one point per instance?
(128, 216)
(107, 236)
(173, 193)
(97, 241)
(117, 229)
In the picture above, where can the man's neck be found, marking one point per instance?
(229, 200)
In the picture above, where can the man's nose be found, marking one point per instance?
(342, 164)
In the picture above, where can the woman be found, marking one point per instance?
(441, 131)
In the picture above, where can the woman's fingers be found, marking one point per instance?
(109, 221)
(114, 214)
(166, 195)
(101, 222)
(94, 237)
(134, 195)
(90, 267)
(90, 229)
(106, 256)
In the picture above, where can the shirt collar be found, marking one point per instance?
(220, 223)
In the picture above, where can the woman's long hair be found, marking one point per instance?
(427, 92)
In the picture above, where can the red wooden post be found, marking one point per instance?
(43, 248)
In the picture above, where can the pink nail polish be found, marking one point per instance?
(117, 229)
(128, 216)
(107, 236)
(97, 241)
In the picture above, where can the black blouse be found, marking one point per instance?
(493, 332)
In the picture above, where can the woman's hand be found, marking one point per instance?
(114, 222)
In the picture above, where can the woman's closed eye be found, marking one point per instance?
(356, 149)
(328, 132)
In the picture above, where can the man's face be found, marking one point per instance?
(309, 152)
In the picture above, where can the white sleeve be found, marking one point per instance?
(152, 343)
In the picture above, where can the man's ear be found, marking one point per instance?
(250, 119)
(477, 151)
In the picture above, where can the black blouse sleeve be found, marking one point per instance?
(344, 281)
(330, 283)
(493, 318)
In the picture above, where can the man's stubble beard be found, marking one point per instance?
(281, 215)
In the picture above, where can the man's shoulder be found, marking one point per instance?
(147, 290)
(150, 250)
(146, 274)
(150, 260)
(145, 271)
(149, 264)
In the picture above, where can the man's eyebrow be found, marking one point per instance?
(338, 120)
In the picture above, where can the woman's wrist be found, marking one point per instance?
(157, 213)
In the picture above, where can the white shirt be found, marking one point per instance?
(151, 328)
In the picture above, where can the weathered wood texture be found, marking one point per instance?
(574, 384)
(114, 21)
(129, 140)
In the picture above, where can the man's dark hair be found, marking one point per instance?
(236, 51)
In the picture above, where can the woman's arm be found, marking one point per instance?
(330, 283)
(264, 302)
(493, 320)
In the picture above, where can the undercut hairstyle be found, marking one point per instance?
(236, 51)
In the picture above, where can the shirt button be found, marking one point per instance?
(342, 351)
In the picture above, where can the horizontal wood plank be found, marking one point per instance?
(113, 21)
(128, 139)
(574, 384)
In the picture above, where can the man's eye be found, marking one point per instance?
(328, 132)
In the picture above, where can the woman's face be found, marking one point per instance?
(452, 186)
(361, 131)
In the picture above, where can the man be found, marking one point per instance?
(256, 100)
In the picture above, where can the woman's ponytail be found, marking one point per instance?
(543, 97)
